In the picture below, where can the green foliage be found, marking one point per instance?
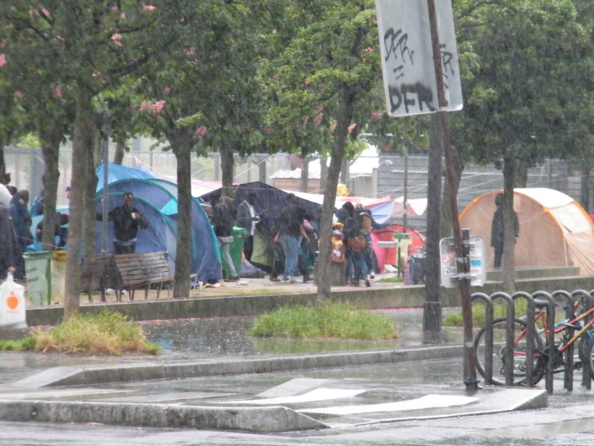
(333, 320)
(527, 82)
(27, 343)
(317, 62)
(28, 141)
(106, 333)
(478, 313)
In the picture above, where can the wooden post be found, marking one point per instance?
(461, 254)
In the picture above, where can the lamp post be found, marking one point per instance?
(404, 201)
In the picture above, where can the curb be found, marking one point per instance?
(92, 375)
(259, 419)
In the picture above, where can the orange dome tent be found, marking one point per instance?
(554, 229)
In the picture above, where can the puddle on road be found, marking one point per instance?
(227, 336)
(549, 430)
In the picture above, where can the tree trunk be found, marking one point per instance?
(304, 174)
(520, 174)
(50, 148)
(509, 237)
(180, 145)
(227, 165)
(90, 201)
(432, 306)
(82, 147)
(4, 177)
(323, 173)
(262, 170)
(120, 149)
(324, 272)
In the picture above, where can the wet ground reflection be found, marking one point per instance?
(227, 336)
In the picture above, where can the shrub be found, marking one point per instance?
(106, 333)
(332, 320)
(478, 313)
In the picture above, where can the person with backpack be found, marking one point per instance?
(356, 245)
(368, 224)
(223, 216)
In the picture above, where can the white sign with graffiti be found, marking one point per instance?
(448, 262)
(407, 57)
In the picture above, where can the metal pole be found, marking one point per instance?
(105, 143)
(404, 212)
(463, 266)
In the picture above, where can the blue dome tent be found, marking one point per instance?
(157, 200)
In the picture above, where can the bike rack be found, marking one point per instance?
(509, 335)
(568, 372)
(551, 302)
(550, 337)
(588, 299)
(488, 334)
(531, 329)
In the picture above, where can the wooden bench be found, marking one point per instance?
(157, 270)
(125, 272)
(134, 271)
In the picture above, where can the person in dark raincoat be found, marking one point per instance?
(126, 219)
(8, 244)
(497, 230)
(223, 215)
(21, 222)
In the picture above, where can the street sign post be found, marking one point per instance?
(421, 75)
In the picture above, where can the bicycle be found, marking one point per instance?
(573, 329)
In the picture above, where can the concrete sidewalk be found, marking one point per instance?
(256, 393)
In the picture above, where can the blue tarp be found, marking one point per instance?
(382, 212)
(118, 172)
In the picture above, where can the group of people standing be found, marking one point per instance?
(293, 234)
(356, 223)
(15, 231)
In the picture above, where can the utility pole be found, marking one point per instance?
(463, 266)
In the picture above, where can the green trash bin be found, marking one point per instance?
(236, 251)
(39, 277)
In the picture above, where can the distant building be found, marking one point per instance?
(361, 182)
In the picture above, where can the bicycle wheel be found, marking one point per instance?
(586, 352)
(519, 373)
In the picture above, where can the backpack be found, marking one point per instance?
(357, 243)
(366, 224)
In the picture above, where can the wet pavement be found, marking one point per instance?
(210, 365)
(416, 397)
